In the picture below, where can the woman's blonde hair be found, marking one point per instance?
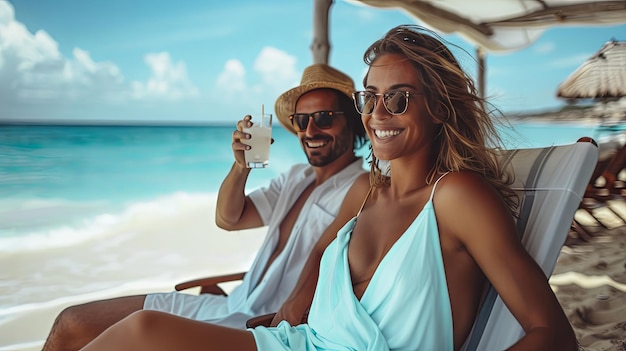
(468, 139)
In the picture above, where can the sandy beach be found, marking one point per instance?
(149, 248)
(590, 283)
(590, 275)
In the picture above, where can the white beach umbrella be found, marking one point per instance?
(491, 25)
(602, 76)
(504, 25)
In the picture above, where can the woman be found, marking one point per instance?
(407, 270)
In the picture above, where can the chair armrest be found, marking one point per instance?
(209, 285)
(264, 320)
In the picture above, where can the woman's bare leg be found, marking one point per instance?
(159, 331)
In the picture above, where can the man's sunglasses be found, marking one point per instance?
(322, 119)
(395, 101)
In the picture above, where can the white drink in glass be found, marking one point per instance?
(260, 140)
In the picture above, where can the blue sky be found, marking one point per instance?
(214, 61)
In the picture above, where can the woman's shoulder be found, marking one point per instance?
(464, 186)
(463, 179)
(468, 205)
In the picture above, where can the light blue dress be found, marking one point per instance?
(405, 306)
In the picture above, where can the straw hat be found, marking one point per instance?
(314, 77)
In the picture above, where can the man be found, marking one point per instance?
(297, 207)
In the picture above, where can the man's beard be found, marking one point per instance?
(340, 145)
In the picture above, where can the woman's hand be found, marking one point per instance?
(291, 313)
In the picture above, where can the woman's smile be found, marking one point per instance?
(386, 133)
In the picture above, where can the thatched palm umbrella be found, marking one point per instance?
(601, 77)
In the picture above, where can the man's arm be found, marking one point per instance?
(296, 305)
(234, 209)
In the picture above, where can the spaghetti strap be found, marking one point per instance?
(364, 201)
(432, 193)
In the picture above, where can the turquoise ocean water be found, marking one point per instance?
(58, 175)
(52, 175)
(85, 209)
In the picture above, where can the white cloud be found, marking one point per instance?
(34, 72)
(7, 14)
(39, 81)
(232, 80)
(168, 81)
(275, 68)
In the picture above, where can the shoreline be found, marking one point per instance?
(595, 114)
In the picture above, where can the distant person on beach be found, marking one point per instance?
(405, 263)
(297, 207)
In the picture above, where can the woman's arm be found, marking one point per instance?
(296, 305)
(474, 212)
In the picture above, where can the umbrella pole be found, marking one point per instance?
(480, 57)
(320, 47)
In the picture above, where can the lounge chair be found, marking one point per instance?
(210, 285)
(550, 182)
(605, 180)
(598, 209)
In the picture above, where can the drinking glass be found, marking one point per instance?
(260, 139)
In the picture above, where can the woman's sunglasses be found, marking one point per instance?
(395, 101)
(322, 119)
